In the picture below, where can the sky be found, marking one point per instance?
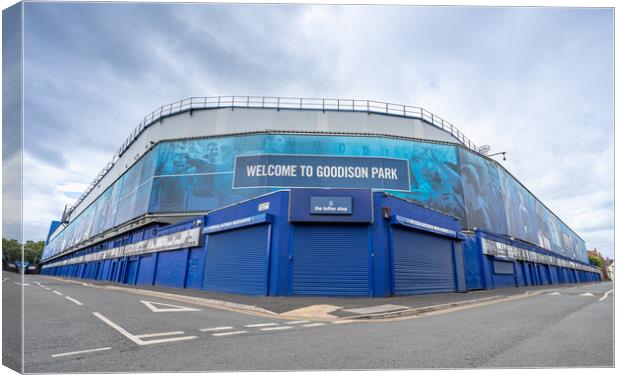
(535, 82)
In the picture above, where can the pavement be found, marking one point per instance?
(76, 327)
(329, 307)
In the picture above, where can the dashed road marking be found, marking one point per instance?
(605, 295)
(276, 328)
(588, 294)
(215, 329)
(74, 301)
(313, 325)
(554, 294)
(57, 292)
(20, 284)
(342, 321)
(298, 322)
(229, 333)
(261, 325)
(80, 352)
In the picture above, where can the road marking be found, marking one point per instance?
(606, 294)
(342, 321)
(298, 322)
(159, 334)
(170, 308)
(60, 294)
(80, 352)
(587, 294)
(313, 325)
(160, 341)
(46, 288)
(20, 284)
(5, 279)
(229, 333)
(276, 328)
(554, 294)
(261, 325)
(215, 329)
(74, 301)
(136, 339)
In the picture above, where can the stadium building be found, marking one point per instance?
(287, 196)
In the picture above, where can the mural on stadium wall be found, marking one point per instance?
(197, 175)
(482, 193)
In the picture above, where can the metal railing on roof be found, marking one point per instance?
(278, 103)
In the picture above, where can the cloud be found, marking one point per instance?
(536, 82)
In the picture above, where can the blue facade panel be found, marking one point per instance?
(171, 268)
(146, 269)
(195, 268)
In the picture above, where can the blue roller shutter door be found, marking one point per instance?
(331, 260)
(237, 261)
(423, 263)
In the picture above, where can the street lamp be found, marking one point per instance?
(503, 153)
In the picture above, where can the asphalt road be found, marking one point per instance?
(75, 328)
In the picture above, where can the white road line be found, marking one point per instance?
(46, 288)
(159, 334)
(60, 294)
(74, 301)
(606, 294)
(588, 294)
(261, 325)
(313, 325)
(554, 294)
(168, 340)
(120, 329)
(215, 329)
(5, 279)
(276, 328)
(80, 352)
(342, 321)
(298, 322)
(136, 339)
(229, 333)
(20, 284)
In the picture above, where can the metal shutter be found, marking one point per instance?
(331, 260)
(237, 261)
(422, 263)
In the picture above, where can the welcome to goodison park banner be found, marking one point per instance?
(314, 171)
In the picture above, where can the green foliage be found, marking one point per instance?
(595, 261)
(12, 251)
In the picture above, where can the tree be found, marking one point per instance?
(595, 261)
(33, 251)
(12, 251)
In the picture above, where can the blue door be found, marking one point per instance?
(331, 260)
(130, 276)
(237, 261)
(422, 263)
